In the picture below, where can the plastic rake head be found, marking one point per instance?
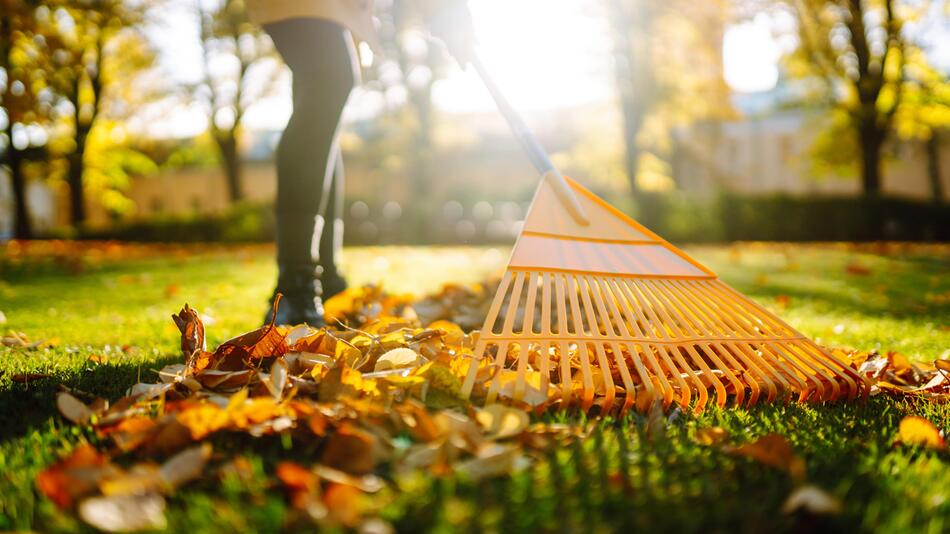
(612, 315)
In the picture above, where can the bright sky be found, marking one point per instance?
(522, 43)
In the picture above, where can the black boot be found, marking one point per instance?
(301, 302)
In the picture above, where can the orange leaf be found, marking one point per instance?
(73, 476)
(296, 477)
(344, 503)
(774, 450)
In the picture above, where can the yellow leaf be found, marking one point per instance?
(453, 335)
(711, 435)
(499, 421)
(918, 431)
(203, 419)
(347, 353)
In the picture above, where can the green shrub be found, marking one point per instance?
(677, 217)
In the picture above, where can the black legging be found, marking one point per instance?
(321, 57)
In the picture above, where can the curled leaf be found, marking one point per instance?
(192, 331)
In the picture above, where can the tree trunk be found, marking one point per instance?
(77, 197)
(933, 167)
(871, 141)
(632, 121)
(22, 225)
(231, 161)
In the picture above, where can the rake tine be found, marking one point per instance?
(566, 378)
(545, 330)
(631, 391)
(496, 381)
(808, 383)
(527, 327)
(587, 396)
(594, 283)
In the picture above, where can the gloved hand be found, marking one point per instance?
(451, 22)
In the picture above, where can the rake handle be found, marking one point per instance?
(536, 153)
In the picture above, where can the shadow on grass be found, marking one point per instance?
(25, 407)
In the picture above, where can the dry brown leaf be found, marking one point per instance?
(351, 449)
(192, 331)
(185, 466)
(72, 408)
(26, 378)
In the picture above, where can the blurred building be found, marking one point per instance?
(768, 151)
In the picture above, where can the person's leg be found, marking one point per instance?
(321, 58)
(331, 242)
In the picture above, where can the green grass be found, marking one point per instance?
(616, 479)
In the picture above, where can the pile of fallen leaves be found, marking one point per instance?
(895, 374)
(390, 368)
(354, 392)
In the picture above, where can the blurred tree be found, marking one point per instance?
(668, 69)
(25, 95)
(924, 113)
(858, 49)
(408, 64)
(233, 49)
(101, 55)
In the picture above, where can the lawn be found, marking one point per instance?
(116, 302)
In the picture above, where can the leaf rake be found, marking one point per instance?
(598, 310)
